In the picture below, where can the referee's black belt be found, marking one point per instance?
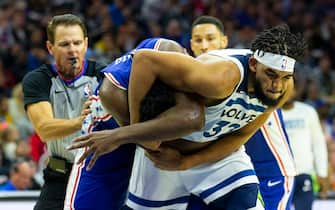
(60, 164)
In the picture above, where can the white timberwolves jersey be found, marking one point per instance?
(154, 189)
(237, 110)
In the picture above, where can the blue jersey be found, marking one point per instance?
(269, 149)
(271, 155)
(105, 185)
(118, 72)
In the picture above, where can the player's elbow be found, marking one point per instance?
(145, 59)
(141, 57)
(195, 118)
(43, 130)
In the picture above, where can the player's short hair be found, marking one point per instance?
(279, 40)
(208, 20)
(67, 20)
(159, 98)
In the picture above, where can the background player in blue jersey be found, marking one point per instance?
(275, 75)
(309, 151)
(105, 186)
(271, 154)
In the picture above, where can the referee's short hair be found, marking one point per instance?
(67, 20)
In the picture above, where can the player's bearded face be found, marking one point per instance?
(263, 96)
(270, 85)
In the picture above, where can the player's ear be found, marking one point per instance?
(252, 64)
(224, 41)
(49, 46)
(86, 43)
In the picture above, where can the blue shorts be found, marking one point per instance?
(105, 185)
(241, 198)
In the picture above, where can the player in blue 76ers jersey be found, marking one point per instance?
(105, 186)
(271, 155)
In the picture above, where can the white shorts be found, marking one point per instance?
(152, 188)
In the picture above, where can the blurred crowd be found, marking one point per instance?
(115, 27)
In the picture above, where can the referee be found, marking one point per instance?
(56, 104)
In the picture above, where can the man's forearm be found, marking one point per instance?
(139, 84)
(163, 128)
(57, 128)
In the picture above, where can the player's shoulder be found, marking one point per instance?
(302, 106)
(150, 43)
(160, 44)
(238, 56)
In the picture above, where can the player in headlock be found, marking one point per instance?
(106, 185)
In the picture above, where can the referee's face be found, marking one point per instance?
(68, 49)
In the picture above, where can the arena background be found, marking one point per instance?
(116, 26)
